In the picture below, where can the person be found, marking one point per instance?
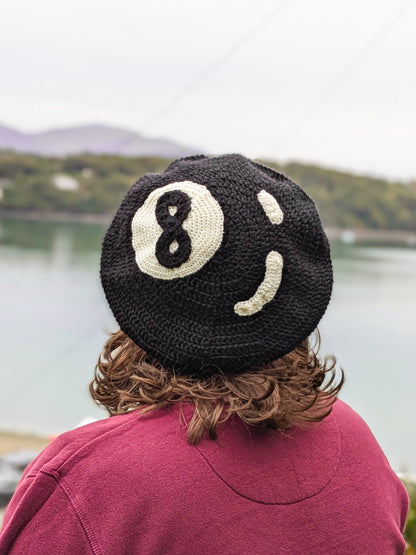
(226, 433)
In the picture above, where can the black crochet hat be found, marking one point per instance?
(216, 264)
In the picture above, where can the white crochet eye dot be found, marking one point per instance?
(204, 225)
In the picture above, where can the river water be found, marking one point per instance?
(54, 321)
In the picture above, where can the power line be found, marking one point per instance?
(357, 59)
(47, 367)
(239, 43)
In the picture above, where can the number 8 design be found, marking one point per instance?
(174, 245)
(177, 230)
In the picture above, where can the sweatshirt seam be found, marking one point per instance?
(61, 467)
(27, 521)
(281, 502)
(77, 510)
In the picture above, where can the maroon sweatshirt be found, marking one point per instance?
(132, 485)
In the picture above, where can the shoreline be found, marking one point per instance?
(346, 235)
(351, 235)
(14, 441)
(58, 217)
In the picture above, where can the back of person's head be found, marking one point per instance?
(217, 271)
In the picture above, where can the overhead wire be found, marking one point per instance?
(335, 83)
(210, 68)
(45, 368)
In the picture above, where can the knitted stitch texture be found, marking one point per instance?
(217, 263)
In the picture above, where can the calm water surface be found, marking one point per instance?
(55, 320)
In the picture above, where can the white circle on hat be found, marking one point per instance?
(204, 225)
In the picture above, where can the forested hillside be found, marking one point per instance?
(96, 184)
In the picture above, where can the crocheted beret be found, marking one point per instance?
(217, 264)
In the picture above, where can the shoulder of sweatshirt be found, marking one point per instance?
(354, 431)
(66, 449)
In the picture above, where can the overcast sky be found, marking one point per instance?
(324, 81)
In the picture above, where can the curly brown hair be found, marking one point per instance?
(287, 392)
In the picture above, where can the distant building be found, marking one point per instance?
(348, 236)
(65, 182)
(4, 184)
(87, 172)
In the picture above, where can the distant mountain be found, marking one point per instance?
(94, 139)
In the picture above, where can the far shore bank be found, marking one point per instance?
(58, 217)
(14, 441)
(350, 235)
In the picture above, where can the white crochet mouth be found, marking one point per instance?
(267, 289)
